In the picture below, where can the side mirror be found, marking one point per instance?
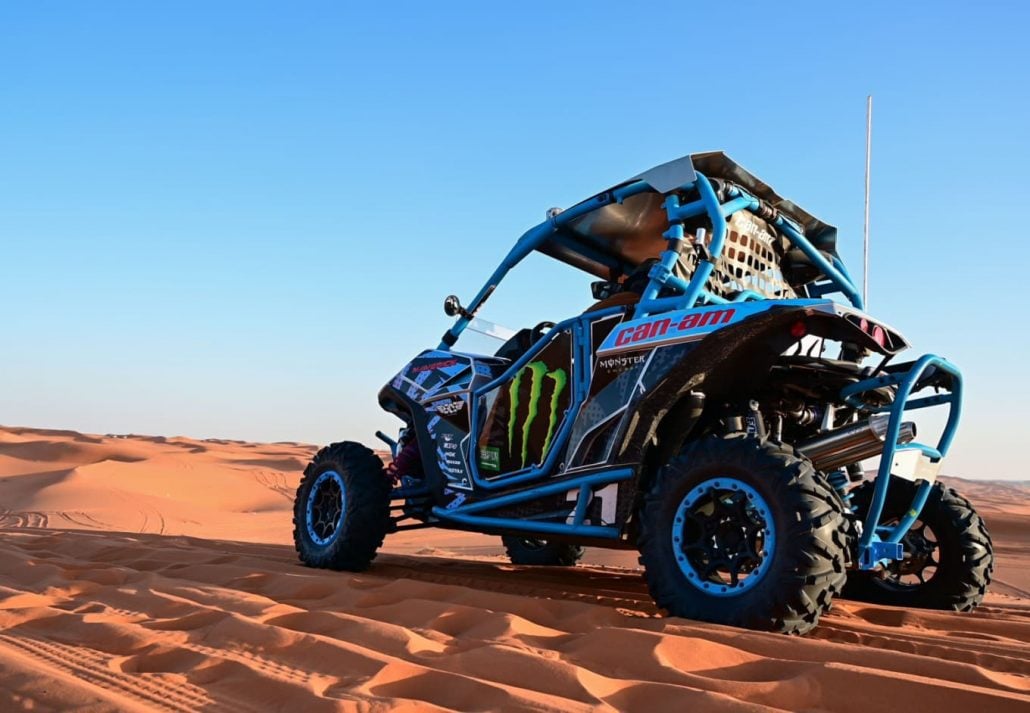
(452, 306)
(603, 289)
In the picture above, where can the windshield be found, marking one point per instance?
(539, 289)
(490, 329)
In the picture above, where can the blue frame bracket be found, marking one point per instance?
(879, 551)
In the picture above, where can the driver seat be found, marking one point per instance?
(516, 346)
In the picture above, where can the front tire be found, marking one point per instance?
(342, 510)
(743, 532)
(949, 558)
(531, 551)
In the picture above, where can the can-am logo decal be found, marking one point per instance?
(661, 327)
(668, 329)
(537, 372)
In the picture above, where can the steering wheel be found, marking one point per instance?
(539, 331)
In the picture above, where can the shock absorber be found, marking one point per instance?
(839, 480)
(407, 463)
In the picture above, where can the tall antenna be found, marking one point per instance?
(865, 230)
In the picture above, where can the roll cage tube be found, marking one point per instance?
(877, 541)
(661, 275)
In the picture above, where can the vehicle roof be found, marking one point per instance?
(616, 237)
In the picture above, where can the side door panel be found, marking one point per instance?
(526, 412)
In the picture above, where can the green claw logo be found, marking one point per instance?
(537, 373)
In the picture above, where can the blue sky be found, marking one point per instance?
(240, 219)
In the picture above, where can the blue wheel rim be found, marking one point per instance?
(327, 502)
(723, 529)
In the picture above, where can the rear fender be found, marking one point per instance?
(731, 364)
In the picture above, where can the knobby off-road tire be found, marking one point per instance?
(961, 558)
(799, 573)
(528, 550)
(346, 538)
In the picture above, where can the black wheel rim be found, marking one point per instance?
(326, 502)
(531, 544)
(920, 563)
(723, 536)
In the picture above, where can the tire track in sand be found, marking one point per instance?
(95, 669)
(246, 622)
(28, 519)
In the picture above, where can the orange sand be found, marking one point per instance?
(143, 573)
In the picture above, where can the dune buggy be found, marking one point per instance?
(712, 408)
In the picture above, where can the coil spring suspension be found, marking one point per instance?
(407, 463)
(839, 480)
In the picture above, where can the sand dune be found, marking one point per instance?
(148, 484)
(145, 573)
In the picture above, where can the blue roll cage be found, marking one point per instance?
(692, 292)
(878, 543)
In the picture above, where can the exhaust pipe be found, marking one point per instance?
(853, 443)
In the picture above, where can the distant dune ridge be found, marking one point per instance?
(150, 573)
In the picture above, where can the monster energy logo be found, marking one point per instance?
(537, 371)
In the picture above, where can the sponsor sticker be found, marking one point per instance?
(521, 420)
(432, 366)
(449, 408)
(621, 363)
(457, 500)
(490, 458)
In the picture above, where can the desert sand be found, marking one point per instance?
(148, 573)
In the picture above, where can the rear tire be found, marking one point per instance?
(949, 557)
(758, 509)
(342, 510)
(531, 551)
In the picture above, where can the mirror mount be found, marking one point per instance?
(452, 307)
